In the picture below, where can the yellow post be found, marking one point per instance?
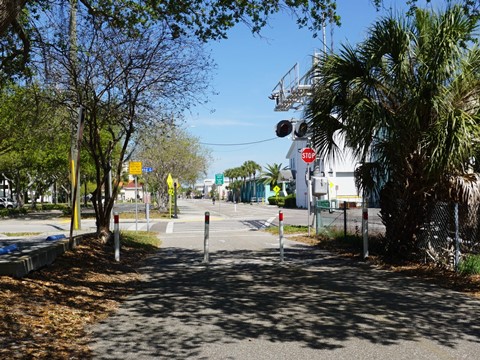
(74, 200)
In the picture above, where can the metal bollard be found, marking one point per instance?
(116, 232)
(365, 229)
(205, 242)
(280, 232)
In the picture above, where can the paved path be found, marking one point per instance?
(247, 305)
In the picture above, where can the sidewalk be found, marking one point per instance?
(247, 305)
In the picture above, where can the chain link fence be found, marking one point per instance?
(348, 217)
(451, 233)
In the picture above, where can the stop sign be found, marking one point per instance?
(308, 155)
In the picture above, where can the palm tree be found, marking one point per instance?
(243, 172)
(233, 174)
(407, 102)
(271, 174)
(251, 167)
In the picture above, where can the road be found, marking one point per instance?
(246, 304)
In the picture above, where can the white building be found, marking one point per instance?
(207, 185)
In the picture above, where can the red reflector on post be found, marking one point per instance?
(280, 216)
(207, 218)
(365, 215)
(115, 218)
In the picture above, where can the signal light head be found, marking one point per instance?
(301, 129)
(283, 128)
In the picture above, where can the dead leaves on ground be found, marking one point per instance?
(44, 315)
(445, 278)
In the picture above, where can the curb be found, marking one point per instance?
(24, 260)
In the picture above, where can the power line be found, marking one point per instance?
(240, 144)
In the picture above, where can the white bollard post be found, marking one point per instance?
(280, 232)
(205, 242)
(116, 232)
(365, 228)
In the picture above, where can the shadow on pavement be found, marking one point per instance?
(315, 300)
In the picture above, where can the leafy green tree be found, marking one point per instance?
(125, 83)
(204, 19)
(171, 150)
(35, 153)
(407, 102)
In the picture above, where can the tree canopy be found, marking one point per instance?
(171, 150)
(206, 20)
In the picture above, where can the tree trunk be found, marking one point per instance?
(103, 228)
(9, 10)
(403, 213)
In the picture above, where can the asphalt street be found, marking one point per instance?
(246, 304)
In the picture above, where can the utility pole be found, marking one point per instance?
(77, 126)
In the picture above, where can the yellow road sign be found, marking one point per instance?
(170, 181)
(135, 167)
(276, 189)
(170, 192)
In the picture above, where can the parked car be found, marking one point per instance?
(7, 203)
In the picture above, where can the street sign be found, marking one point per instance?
(170, 181)
(147, 169)
(276, 189)
(135, 167)
(218, 179)
(308, 155)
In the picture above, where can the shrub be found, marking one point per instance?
(12, 212)
(272, 200)
(48, 206)
(470, 265)
(290, 202)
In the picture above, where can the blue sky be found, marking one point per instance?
(248, 69)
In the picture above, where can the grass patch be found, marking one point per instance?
(143, 216)
(470, 265)
(146, 240)
(288, 229)
(21, 233)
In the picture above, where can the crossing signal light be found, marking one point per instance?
(284, 128)
(301, 129)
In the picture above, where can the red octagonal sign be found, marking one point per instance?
(308, 155)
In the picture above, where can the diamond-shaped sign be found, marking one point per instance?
(170, 181)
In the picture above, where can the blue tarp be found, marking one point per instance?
(8, 249)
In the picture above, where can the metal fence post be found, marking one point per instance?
(457, 238)
(318, 218)
(345, 220)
